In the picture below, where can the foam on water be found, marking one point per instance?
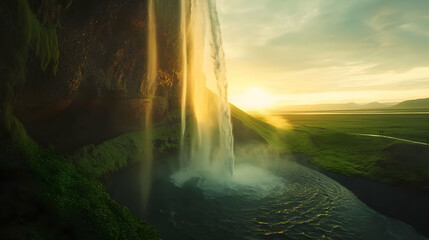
(248, 181)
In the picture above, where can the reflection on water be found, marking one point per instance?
(288, 202)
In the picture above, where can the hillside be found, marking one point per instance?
(409, 104)
(331, 107)
(417, 103)
(377, 159)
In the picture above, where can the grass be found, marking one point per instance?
(348, 154)
(285, 141)
(124, 150)
(408, 126)
(327, 140)
(57, 200)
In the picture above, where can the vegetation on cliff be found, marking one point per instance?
(58, 200)
(44, 196)
(25, 35)
(127, 149)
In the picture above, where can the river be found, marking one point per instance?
(282, 201)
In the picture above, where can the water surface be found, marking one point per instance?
(294, 202)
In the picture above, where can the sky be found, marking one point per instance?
(291, 52)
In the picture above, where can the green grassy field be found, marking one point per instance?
(331, 143)
(403, 125)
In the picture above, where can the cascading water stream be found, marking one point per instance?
(148, 89)
(224, 113)
(211, 146)
(184, 60)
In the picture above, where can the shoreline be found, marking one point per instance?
(410, 207)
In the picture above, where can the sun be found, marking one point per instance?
(254, 98)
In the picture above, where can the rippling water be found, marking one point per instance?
(293, 202)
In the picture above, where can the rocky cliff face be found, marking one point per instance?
(72, 73)
(103, 51)
(98, 89)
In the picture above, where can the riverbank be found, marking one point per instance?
(388, 175)
(408, 206)
(377, 159)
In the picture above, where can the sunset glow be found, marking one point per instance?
(309, 52)
(253, 99)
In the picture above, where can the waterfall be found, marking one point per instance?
(148, 89)
(184, 60)
(152, 52)
(203, 67)
(224, 113)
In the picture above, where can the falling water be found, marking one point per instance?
(148, 89)
(203, 65)
(224, 113)
(184, 60)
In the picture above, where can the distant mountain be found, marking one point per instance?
(374, 105)
(331, 107)
(417, 103)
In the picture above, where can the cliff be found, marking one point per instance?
(73, 74)
(95, 87)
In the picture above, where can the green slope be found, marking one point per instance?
(47, 197)
(283, 140)
(417, 103)
(378, 159)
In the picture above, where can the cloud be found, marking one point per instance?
(390, 34)
(317, 45)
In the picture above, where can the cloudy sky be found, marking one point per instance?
(326, 51)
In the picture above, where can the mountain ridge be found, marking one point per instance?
(339, 106)
(413, 104)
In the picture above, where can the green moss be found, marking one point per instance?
(80, 201)
(127, 149)
(23, 36)
(41, 39)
